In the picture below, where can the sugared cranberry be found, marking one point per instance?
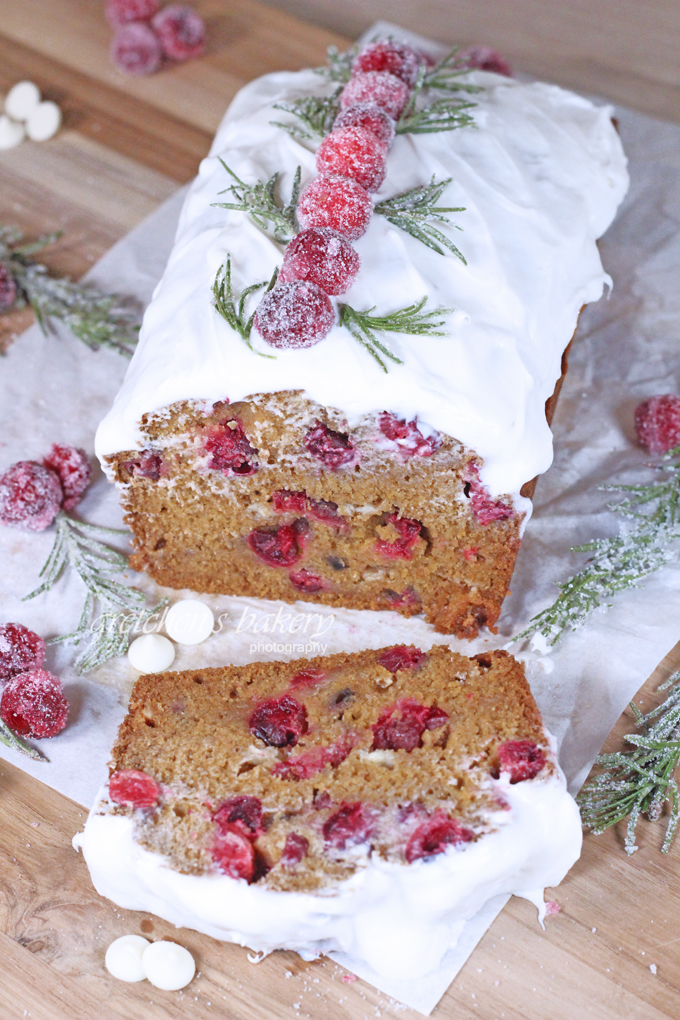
(308, 582)
(405, 731)
(369, 117)
(119, 12)
(485, 59)
(285, 501)
(323, 257)
(279, 547)
(330, 200)
(279, 722)
(398, 59)
(402, 657)
(74, 470)
(229, 448)
(333, 449)
(8, 289)
(387, 91)
(434, 836)
(181, 32)
(657, 423)
(295, 849)
(401, 548)
(133, 788)
(407, 436)
(33, 704)
(136, 49)
(147, 465)
(30, 496)
(309, 763)
(521, 758)
(349, 825)
(353, 152)
(307, 678)
(484, 508)
(294, 315)
(233, 853)
(244, 812)
(21, 650)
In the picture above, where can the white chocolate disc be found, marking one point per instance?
(11, 133)
(124, 958)
(43, 121)
(151, 653)
(168, 966)
(189, 622)
(21, 99)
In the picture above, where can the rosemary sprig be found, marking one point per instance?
(445, 114)
(622, 561)
(114, 630)
(317, 114)
(411, 319)
(446, 75)
(641, 781)
(262, 204)
(10, 739)
(412, 211)
(225, 304)
(99, 320)
(338, 64)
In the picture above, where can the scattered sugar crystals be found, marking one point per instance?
(151, 653)
(27, 115)
(164, 964)
(189, 622)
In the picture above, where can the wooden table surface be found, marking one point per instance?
(612, 953)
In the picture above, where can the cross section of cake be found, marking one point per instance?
(369, 803)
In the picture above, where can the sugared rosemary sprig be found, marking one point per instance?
(235, 315)
(10, 739)
(413, 210)
(317, 113)
(263, 205)
(113, 630)
(446, 75)
(412, 319)
(641, 781)
(445, 114)
(338, 64)
(99, 320)
(621, 562)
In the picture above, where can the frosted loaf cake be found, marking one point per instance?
(328, 469)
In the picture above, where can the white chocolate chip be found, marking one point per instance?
(189, 622)
(43, 121)
(382, 677)
(21, 99)
(381, 757)
(168, 966)
(124, 958)
(11, 133)
(151, 653)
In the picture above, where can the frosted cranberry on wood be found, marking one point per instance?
(119, 12)
(181, 32)
(657, 423)
(33, 704)
(387, 91)
(74, 470)
(21, 650)
(30, 496)
(331, 200)
(136, 49)
(294, 315)
(370, 117)
(356, 153)
(133, 788)
(321, 256)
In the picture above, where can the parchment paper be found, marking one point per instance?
(627, 349)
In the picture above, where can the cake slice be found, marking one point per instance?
(368, 802)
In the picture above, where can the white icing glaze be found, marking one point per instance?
(398, 918)
(540, 179)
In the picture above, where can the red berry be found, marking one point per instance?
(353, 152)
(405, 732)
(322, 510)
(484, 508)
(485, 59)
(657, 423)
(407, 437)
(313, 761)
(136, 49)
(408, 531)
(296, 847)
(325, 511)
(134, 788)
(119, 12)
(399, 60)
(434, 836)
(282, 546)
(294, 315)
(401, 600)
(181, 32)
(369, 117)
(30, 496)
(307, 678)
(306, 581)
(279, 722)
(333, 449)
(351, 824)
(285, 501)
(147, 465)
(323, 257)
(33, 704)
(8, 289)
(330, 200)
(229, 448)
(233, 853)
(244, 812)
(402, 657)
(387, 91)
(521, 758)
(74, 470)
(21, 650)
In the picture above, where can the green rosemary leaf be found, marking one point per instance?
(339, 64)
(411, 319)
(225, 304)
(263, 206)
(444, 114)
(317, 114)
(112, 634)
(446, 75)
(412, 210)
(10, 739)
